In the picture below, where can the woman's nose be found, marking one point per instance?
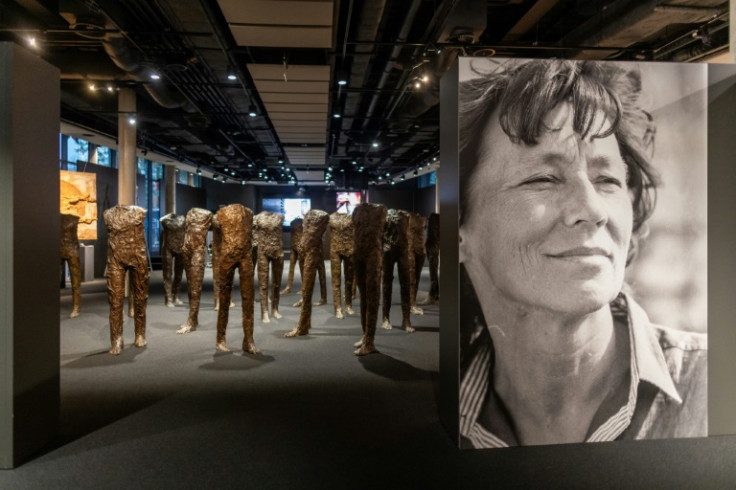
(582, 204)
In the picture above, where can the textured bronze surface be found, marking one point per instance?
(126, 249)
(197, 224)
(396, 251)
(172, 243)
(236, 225)
(267, 227)
(297, 227)
(70, 253)
(368, 220)
(433, 253)
(315, 224)
(417, 223)
(342, 241)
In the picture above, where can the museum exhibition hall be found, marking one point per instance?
(223, 223)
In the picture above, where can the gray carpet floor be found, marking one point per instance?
(306, 413)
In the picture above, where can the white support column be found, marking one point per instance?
(170, 175)
(126, 147)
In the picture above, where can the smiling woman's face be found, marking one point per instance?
(548, 226)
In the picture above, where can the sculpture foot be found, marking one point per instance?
(265, 318)
(250, 348)
(276, 315)
(365, 349)
(358, 343)
(232, 304)
(298, 304)
(338, 313)
(140, 341)
(117, 348)
(430, 301)
(349, 310)
(320, 302)
(386, 325)
(410, 329)
(74, 313)
(170, 304)
(186, 329)
(286, 291)
(415, 310)
(216, 308)
(178, 302)
(295, 333)
(222, 347)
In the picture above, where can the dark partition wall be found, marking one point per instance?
(189, 197)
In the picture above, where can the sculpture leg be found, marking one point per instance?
(434, 279)
(335, 269)
(388, 279)
(75, 271)
(195, 274)
(167, 261)
(139, 290)
(405, 270)
(418, 264)
(293, 259)
(349, 284)
(322, 281)
(247, 296)
(298, 304)
(263, 286)
(305, 316)
(277, 270)
(178, 270)
(115, 297)
(370, 296)
(226, 274)
(360, 276)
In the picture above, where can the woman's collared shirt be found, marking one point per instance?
(666, 396)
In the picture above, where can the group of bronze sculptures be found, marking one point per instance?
(365, 246)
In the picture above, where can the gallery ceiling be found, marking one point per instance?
(316, 91)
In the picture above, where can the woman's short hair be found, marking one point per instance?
(524, 92)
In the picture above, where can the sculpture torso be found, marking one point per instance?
(395, 230)
(174, 226)
(417, 222)
(341, 234)
(198, 222)
(125, 230)
(267, 227)
(368, 220)
(236, 224)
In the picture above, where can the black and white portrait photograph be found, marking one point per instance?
(582, 250)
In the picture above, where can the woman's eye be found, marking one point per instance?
(542, 179)
(610, 181)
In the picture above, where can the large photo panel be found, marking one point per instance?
(582, 214)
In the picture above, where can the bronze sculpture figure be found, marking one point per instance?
(433, 254)
(70, 252)
(342, 241)
(315, 224)
(297, 227)
(267, 227)
(197, 224)
(236, 222)
(126, 249)
(368, 220)
(417, 253)
(396, 251)
(172, 242)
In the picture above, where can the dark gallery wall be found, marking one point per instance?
(188, 197)
(29, 266)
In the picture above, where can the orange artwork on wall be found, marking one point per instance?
(78, 196)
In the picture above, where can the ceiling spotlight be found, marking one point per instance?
(110, 88)
(374, 144)
(392, 182)
(231, 73)
(242, 182)
(417, 85)
(131, 120)
(155, 76)
(281, 161)
(250, 165)
(252, 110)
(355, 162)
(341, 77)
(425, 78)
(199, 171)
(92, 87)
(402, 177)
(336, 116)
(416, 173)
(360, 170)
(226, 168)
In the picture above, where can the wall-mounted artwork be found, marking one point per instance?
(78, 196)
(582, 214)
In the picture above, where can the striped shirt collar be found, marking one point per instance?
(647, 365)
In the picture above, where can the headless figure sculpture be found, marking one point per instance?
(70, 253)
(267, 227)
(126, 249)
(341, 252)
(236, 226)
(368, 220)
(433, 253)
(197, 224)
(320, 272)
(417, 222)
(315, 224)
(172, 243)
(297, 227)
(396, 251)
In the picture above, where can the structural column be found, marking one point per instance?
(126, 147)
(170, 175)
(29, 253)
